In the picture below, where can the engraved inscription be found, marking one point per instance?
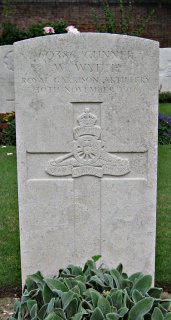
(116, 55)
(87, 170)
(88, 156)
(77, 85)
(101, 72)
(168, 74)
(8, 60)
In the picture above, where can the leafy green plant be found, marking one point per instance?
(128, 23)
(164, 129)
(8, 7)
(9, 134)
(91, 293)
(7, 128)
(11, 33)
(165, 97)
(110, 25)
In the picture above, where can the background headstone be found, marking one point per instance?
(6, 79)
(165, 69)
(86, 110)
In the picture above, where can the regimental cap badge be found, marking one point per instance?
(87, 119)
(87, 125)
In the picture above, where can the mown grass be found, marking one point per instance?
(9, 231)
(165, 108)
(163, 249)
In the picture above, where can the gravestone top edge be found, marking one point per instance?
(167, 48)
(88, 35)
(6, 46)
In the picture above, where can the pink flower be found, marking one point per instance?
(72, 29)
(49, 30)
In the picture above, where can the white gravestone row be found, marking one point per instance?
(165, 69)
(6, 79)
(86, 111)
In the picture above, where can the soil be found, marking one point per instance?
(6, 307)
(9, 295)
(10, 291)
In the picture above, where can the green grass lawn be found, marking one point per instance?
(165, 108)
(163, 252)
(163, 248)
(9, 232)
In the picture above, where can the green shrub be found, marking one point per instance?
(11, 33)
(7, 128)
(9, 134)
(91, 293)
(165, 97)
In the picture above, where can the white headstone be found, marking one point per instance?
(87, 150)
(165, 69)
(6, 79)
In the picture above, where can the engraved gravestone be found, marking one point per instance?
(165, 69)
(87, 150)
(6, 79)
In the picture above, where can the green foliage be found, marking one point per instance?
(8, 7)
(128, 23)
(154, 1)
(165, 97)
(9, 134)
(110, 25)
(7, 129)
(91, 293)
(164, 129)
(11, 33)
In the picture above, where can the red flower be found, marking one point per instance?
(3, 125)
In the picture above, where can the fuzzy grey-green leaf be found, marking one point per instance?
(136, 296)
(140, 309)
(71, 309)
(77, 316)
(97, 314)
(112, 316)
(143, 284)
(47, 293)
(53, 316)
(157, 314)
(56, 284)
(104, 305)
(95, 297)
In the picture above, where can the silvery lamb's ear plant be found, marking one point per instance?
(91, 293)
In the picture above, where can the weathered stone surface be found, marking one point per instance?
(6, 79)
(87, 150)
(165, 69)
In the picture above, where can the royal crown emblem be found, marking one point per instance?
(87, 125)
(88, 156)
